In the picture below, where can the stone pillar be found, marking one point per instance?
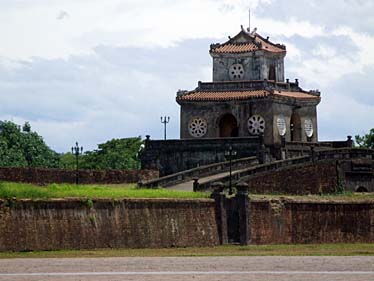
(313, 153)
(220, 209)
(195, 184)
(262, 151)
(349, 141)
(283, 148)
(146, 141)
(244, 209)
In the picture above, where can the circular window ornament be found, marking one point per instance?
(256, 125)
(197, 127)
(308, 127)
(236, 71)
(281, 124)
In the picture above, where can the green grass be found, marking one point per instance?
(228, 250)
(29, 191)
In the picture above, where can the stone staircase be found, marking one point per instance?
(184, 180)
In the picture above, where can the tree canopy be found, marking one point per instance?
(367, 140)
(24, 148)
(121, 154)
(114, 154)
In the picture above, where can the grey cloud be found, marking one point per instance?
(357, 14)
(115, 92)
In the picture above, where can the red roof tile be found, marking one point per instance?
(240, 95)
(222, 96)
(253, 43)
(298, 95)
(236, 48)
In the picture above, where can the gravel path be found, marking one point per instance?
(190, 268)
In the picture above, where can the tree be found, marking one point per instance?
(367, 140)
(114, 154)
(67, 161)
(24, 148)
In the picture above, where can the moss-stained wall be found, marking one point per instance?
(130, 223)
(288, 222)
(44, 176)
(309, 178)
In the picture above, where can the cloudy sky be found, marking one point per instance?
(93, 70)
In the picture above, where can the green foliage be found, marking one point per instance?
(340, 188)
(121, 154)
(88, 202)
(67, 161)
(366, 141)
(26, 127)
(23, 190)
(24, 148)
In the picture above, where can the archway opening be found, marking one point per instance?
(362, 189)
(295, 127)
(228, 126)
(272, 75)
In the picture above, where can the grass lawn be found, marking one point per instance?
(229, 250)
(29, 191)
(23, 190)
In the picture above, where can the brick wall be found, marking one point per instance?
(130, 223)
(43, 176)
(303, 179)
(278, 222)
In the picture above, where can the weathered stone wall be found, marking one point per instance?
(256, 65)
(278, 222)
(307, 178)
(130, 223)
(173, 156)
(144, 223)
(358, 175)
(45, 176)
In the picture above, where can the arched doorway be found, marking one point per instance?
(272, 75)
(228, 126)
(362, 189)
(295, 127)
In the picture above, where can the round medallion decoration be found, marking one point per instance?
(236, 71)
(197, 127)
(256, 125)
(308, 127)
(281, 124)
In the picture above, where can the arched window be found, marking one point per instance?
(272, 74)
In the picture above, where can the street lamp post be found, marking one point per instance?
(165, 120)
(76, 150)
(229, 153)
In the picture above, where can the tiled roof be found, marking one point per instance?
(240, 95)
(266, 45)
(254, 43)
(236, 48)
(298, 95)
(222, 96)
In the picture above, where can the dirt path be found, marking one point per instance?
(190, 268)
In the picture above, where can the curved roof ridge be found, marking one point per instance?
(251, 43)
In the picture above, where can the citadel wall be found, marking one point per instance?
(158, 223)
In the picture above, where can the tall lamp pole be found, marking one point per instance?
(165, 120)
(229, 153)
(76, 150)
